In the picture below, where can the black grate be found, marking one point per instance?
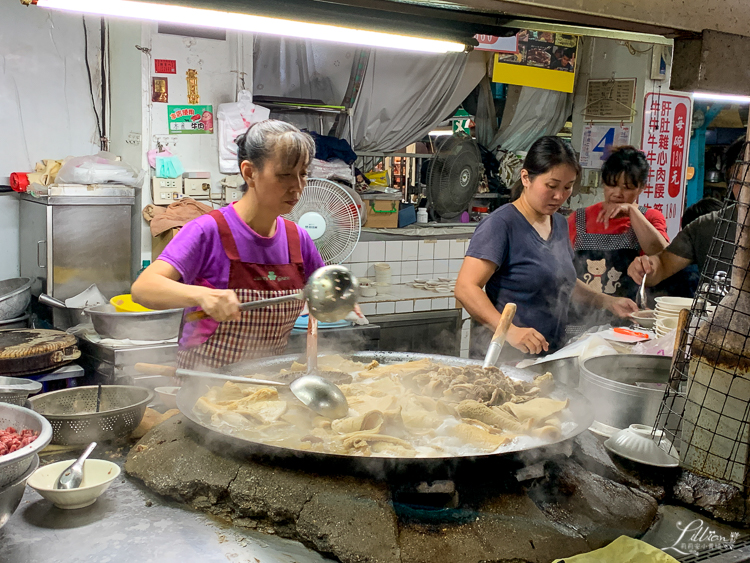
(705, 412)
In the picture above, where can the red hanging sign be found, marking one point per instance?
(665, 142)
(165, 66)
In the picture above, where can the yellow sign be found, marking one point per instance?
(543, 60)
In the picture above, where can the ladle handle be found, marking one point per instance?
(248, 306)
(169, 371)
(498, 339)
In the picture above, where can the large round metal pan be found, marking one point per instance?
(194, 388)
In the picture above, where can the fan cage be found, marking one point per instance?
(339, 210)
(449, 188)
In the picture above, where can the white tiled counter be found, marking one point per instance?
(407, 299)
(411, 259)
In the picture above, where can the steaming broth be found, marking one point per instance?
(415, 409)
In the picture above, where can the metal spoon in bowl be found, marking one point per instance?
(331, 293)
(316, 393)
(640, 298)
(71, 478)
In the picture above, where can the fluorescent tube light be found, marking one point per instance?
(708, 97)
(245, 22)
(440, 133)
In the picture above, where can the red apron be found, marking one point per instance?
(259, 333)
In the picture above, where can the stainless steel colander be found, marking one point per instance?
(15, 390)
(15, 464)
(72, 412)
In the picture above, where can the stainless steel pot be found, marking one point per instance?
(150, 325)
(609, 383)
(564, 370)
(15, 296)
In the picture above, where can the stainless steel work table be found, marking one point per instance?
(130, 524)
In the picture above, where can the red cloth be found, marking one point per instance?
(617, 226)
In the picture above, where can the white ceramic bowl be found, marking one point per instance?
(645, 319)
(635, 443)
(168, 396)
(370, 291)
(675, 302)
(445, 280)
(441, 289)
(98, 474)
(420, 281)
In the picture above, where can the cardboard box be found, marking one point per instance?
(382, 213)
(159, 243)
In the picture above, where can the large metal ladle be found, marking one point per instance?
(315, 392)
(331, 293)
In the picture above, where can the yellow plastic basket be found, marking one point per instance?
(125, 304)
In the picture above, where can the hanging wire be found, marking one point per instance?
(88, 72)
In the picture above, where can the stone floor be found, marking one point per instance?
(557, 505)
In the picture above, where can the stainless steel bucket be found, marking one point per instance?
(609, 383)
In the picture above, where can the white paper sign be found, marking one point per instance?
(596, 141)
(666, 135)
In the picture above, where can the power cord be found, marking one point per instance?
(88, 72)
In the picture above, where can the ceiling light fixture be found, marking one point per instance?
(244, 22)
(708, 97)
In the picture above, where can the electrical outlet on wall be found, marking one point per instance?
(133, 138)
(197, 188)
(166, 141)
(166, 190)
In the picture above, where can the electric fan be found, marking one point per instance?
(329, 214)
(453, 176)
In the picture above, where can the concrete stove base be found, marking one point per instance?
(565, 510)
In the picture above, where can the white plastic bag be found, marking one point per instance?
(663, 346)
(99, 168)
(234, 119)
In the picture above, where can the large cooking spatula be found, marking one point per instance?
(498, 339)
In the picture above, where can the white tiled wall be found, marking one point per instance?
(409, 259)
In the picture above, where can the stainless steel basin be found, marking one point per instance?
(609, 383)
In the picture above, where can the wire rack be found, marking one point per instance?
(705, 412)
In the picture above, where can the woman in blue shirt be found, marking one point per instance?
(521, 254)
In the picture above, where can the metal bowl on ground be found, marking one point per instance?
(15, 464)
(625, 389)
(150, 325)
(15, 296)
(15, 390)
(20, 322)
(564, 370)
(74, 420)
(11, 495)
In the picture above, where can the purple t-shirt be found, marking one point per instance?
(196, 251)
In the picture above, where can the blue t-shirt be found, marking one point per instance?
(536, 274)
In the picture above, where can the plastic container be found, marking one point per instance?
(125, 304)
(383, 274)
(422, 215)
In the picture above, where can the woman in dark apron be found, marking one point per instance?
(609, 235)
(243, 252)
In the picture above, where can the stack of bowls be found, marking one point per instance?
(664, 326)
(668, 311)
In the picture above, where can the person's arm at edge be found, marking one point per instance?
(649, 237)
(657, 268)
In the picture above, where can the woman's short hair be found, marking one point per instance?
(258, 144)
(625, 160)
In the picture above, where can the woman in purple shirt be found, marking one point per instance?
(243, 252)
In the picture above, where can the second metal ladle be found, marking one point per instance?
(331, 293)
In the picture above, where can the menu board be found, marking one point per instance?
(542, 60)
(666, 135)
